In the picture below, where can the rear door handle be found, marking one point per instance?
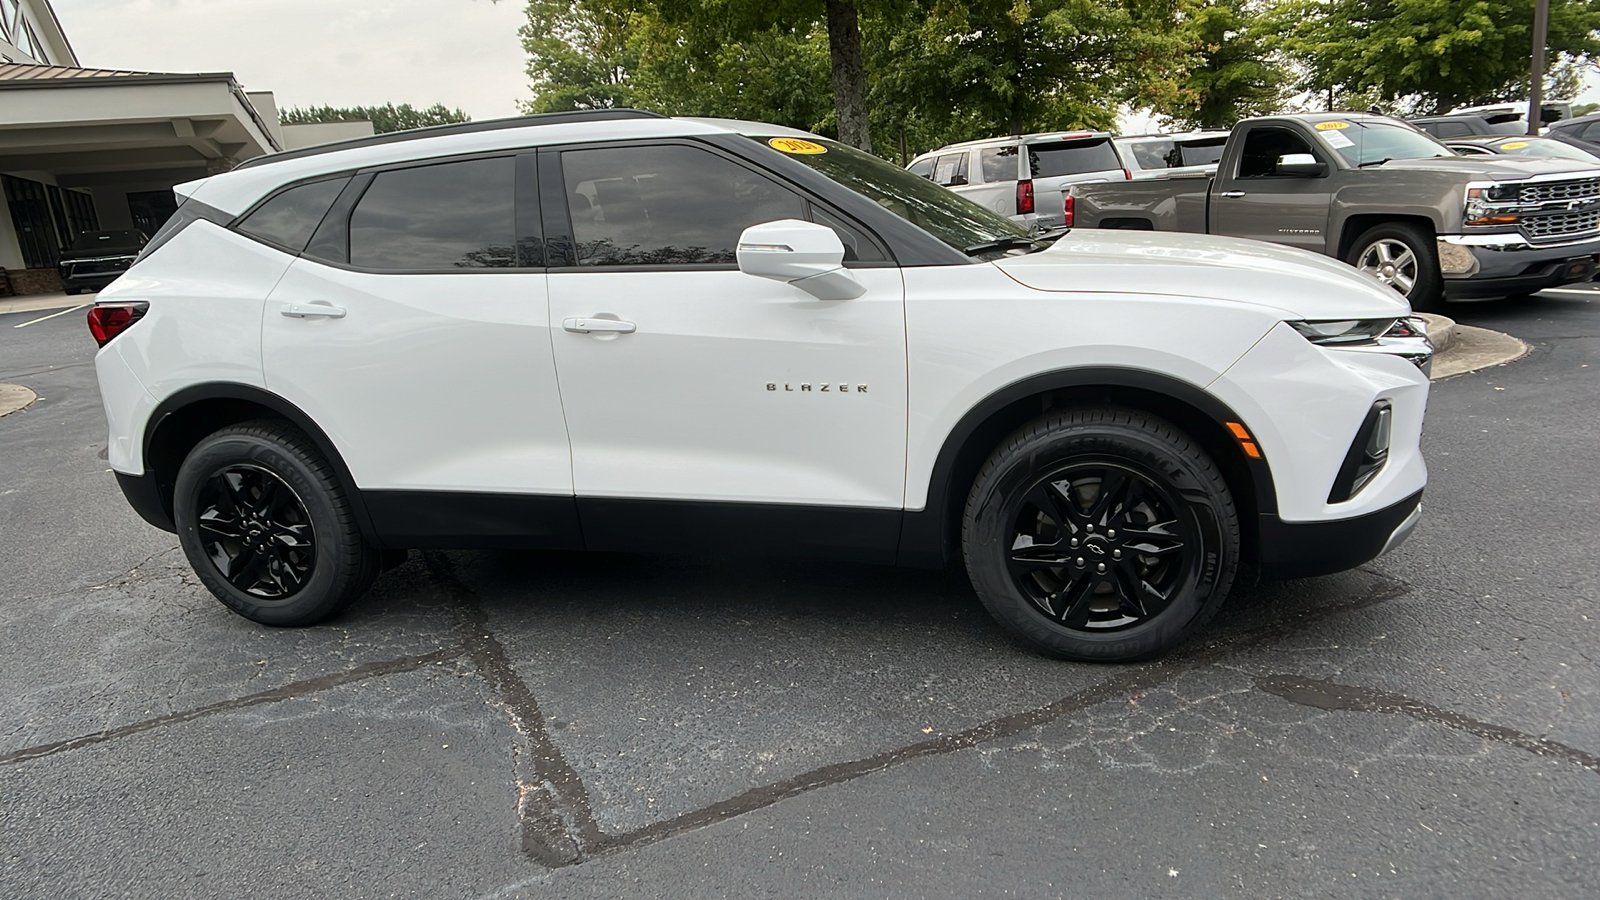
(313, 310)
(598, 326)
(1233, 195)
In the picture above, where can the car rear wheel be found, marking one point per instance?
(1100, 534)
(1405, 258)
(267, 526)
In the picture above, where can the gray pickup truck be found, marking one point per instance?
(1382, 196)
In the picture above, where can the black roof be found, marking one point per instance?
(557, 118)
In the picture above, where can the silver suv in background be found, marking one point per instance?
(1165, 155)
(1023, 176)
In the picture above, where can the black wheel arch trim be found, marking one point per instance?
(928, 537)
(198, 393)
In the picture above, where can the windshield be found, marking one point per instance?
(130, 240)
(1362, 142)
(1532, 146)
(942, 213)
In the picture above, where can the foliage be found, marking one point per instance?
(384, 119)
(1233, 70)
(1440, 53)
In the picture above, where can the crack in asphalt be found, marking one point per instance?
(1331, 695)
(286, 692)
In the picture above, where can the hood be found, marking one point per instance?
(1501, 168)
(1235, 270)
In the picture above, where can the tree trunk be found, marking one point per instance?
(849, 75)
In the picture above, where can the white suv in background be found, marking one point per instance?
(1023, 178)
(1170, 155)
(616, 331)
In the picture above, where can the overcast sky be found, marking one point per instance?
(462, 53)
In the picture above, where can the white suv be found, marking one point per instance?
(616, 331)
(1023, 178)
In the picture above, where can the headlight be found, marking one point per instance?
(1342, 331)
(1480, 206)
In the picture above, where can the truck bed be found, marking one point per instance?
(1168, 204)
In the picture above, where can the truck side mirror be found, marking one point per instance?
(1300, 165)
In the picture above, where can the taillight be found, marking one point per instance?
(1066, 208)
(108, 320)
(1127, 175)
(1024, 197)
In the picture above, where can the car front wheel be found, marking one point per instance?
(1101, 534)
(1405, 258)
(267, 526)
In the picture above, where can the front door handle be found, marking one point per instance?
(597, 326)
(1233, 195)
(313, 310)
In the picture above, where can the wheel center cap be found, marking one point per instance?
(1096, 545)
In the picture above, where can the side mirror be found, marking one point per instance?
(1301, 165)
(804, 254)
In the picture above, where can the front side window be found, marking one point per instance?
(1264, 146)
(456, 215)
(666, 205)
(289, 219)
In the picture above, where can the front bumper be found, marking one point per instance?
(1306, 549)
(1500, 265)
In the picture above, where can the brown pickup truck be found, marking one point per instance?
(1382, 196)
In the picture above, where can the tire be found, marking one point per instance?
(1167, 497)
(259, 502)
(1418, 264)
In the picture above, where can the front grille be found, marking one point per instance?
(1560, 225)
(1541, 192)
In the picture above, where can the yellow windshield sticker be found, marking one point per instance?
(796, 145)
(1332, 126)
(1514, 145)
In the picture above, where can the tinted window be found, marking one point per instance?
(448, 216)
(1263, 146)
(1151, 154)
(999, 164)
(1072, 158)
(289, 219)
(1199, 154)
(666, 205)
(1592, 133)
(923, 167)
(951, 169)
(857, 246)
(1450, 130)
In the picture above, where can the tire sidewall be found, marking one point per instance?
(993, 508)
(320, 593)
(1428, 291)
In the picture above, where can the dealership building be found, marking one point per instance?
(86, 149)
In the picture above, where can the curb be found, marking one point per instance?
(1441, 331)
(1473, 348)
(14, 397)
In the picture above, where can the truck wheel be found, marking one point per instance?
(267, 527)
(1100, 534)
(1405, 258)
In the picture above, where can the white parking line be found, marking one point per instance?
(1576, 292)
(53, 315)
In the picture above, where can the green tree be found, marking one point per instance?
(578, 54)
(1439, 53)
(384, 119)
(1232, 72)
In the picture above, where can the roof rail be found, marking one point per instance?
(556, 118)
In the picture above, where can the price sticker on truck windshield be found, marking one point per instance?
(1332, 126)
(796, 145)
(1337, 140)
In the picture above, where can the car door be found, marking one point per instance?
(415, 331)
(708, 407)
(1250, 199)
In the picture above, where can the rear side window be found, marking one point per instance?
(1201, 154)
(1450, 130)
(1047, 160)
(1152, 154)
(923, 167)
(951, 169)
(458, 215)
(289, 219)
(666, 205)
(998, 163)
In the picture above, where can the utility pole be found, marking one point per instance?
(1541, 28)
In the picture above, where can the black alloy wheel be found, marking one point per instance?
(268, 528)
(1101, 534)
(1098, 545)
(256, 532)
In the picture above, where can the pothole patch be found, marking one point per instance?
(14, 397)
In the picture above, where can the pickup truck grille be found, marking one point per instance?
(1544, 192)
(1561, 225)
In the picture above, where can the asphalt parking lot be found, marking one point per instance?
(530, 724)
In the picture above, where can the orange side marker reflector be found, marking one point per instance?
(1250, 449)
(1238, 431)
